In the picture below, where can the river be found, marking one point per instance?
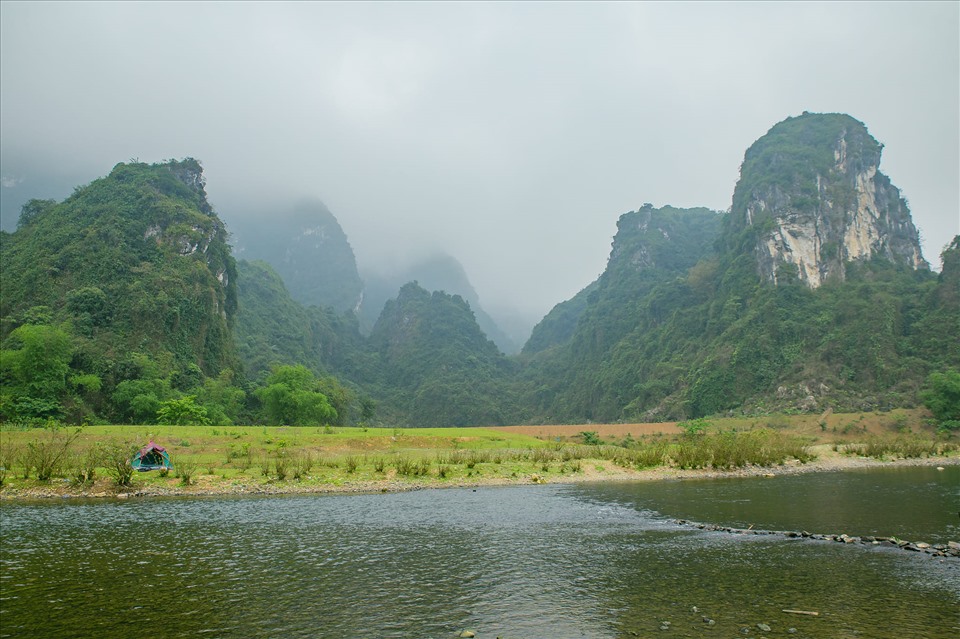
(588, 560)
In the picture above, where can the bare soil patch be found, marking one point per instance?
(605, 431)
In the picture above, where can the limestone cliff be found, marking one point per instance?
(810, 199)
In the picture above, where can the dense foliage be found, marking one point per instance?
(118, 305)
(714, 341)
(435, 364)
(591, 375)
(131, 267)
(437, 272)
(558, 326)
(942, 397)
(684, 323)
(272, 328)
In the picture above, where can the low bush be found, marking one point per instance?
(735, 450)
(49, 450)
(9, 453)
(185, 470)
(351, 464)
(590, 437)
(115, 456)
(651, 454)
(694, 427)
(899, 446)
(689, 453)
(281, 464)
(83, 466)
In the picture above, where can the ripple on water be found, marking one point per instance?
(581, 561)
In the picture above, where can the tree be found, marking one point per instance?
(942, 397)
(182, 412)
(221, 398)
(291, 398)
(140, 399)
(35, 372)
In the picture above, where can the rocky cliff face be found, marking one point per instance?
(812, 199)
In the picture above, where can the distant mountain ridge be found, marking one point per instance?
(437, 272)
(306, 245)
(308, 248)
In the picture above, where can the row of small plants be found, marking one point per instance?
(901, 446)
(55, 453)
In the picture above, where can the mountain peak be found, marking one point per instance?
(810, 199)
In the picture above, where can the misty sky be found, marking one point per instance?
(511, 136)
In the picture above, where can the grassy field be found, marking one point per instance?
(285, 459)
(830, 427)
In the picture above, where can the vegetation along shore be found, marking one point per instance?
(60, 461)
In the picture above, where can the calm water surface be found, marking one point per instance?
(602, 561)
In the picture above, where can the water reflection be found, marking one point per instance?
(536, 561)
(914, 503)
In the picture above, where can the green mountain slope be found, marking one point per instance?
(816, 296)
(436, 365)
(559, 325)
(426, 362)
(123, 303)
(273, 329)
(135, 261)
(573, 378)
(439, 272)
(135, 268)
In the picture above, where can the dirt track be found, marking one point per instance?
(606, 431)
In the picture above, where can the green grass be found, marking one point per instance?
(899, 446)
(256, 454)
(253, 456)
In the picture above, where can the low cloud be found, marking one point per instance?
(510, 135)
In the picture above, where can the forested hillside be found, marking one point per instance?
(570, 373)
(119, 304)
(811, 293)
(272, 328)
(438, 272)
(123, 303)
(436, 365)
(128, 280)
